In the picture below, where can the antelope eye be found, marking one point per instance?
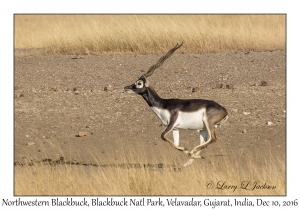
(139, 84)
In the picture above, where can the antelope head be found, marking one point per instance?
(141, 85)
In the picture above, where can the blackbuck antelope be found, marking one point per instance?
(175, 114)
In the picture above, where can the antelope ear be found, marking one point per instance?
(146, 81)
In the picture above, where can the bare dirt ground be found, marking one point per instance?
(58, 96)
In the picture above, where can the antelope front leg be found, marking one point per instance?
(165, 132)
(168, 129)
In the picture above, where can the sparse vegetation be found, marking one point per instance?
(202, 178)
(100, 34)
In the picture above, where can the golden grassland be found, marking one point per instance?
(100, 34)
(201, 178)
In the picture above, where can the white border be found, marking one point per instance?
(8, 8)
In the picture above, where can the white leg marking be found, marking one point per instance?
(203, 136)
(176, 137)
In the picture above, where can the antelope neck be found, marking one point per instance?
(152, 98)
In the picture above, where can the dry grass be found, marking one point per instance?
(98, 34)
(200, 178)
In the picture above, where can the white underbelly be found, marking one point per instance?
(185, 120)
(190, 120)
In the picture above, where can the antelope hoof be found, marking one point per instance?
(194, 156)
(191, 154)
(189, 162)
(197, 156)
(186, 151)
